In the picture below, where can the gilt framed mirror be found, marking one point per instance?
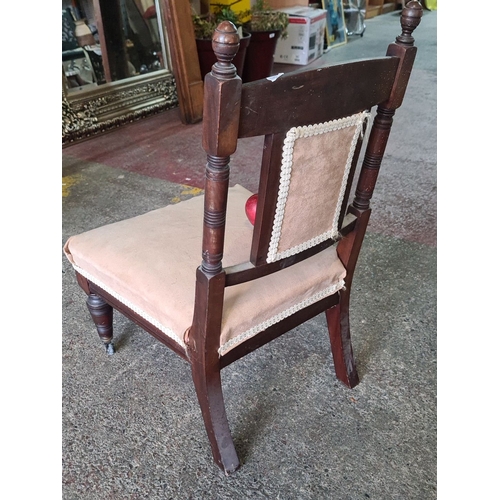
(116, 65)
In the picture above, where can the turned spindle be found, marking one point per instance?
(403, 49)
(410, 19)
(220, 135)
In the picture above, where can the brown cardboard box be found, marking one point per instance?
(277, 4)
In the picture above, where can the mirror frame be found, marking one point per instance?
(90, 111)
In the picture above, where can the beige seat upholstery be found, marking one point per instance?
(162, 267)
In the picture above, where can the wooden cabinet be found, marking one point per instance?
(377, 7)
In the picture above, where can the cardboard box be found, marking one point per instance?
(306, 35)
(279, 4)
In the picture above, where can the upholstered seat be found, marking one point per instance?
(163, 266)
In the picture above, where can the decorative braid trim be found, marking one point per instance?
(167, 331)
(286, 172)
(223, 349)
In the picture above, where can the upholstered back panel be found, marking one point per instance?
(315, 166)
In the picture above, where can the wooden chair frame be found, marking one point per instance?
(223, 125)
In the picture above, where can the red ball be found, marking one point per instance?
(251, 208)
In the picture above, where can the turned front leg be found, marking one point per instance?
(102, 314)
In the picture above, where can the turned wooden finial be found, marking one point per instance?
(410, 19)
(225, 44)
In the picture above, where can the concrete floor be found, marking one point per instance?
(131, 424)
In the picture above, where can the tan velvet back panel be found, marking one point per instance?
(315, 167)
(312, 122)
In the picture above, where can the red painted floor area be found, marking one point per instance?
(161, 146)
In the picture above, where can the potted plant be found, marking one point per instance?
(267, 26)
(204, 27)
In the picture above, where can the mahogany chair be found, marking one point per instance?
(255, 282)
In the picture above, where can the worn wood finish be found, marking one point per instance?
(138, 320)
(268, 197)
(102, 314)
(338, 317)
(278, 329)
(350, 179)
(247, 271)
(263, 102)
(220, 126)
(313, 96)
(203, 342)
(220, 136)
(373, 158)
(404, 53)
(348, 249)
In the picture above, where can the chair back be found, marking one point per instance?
(313, 122)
